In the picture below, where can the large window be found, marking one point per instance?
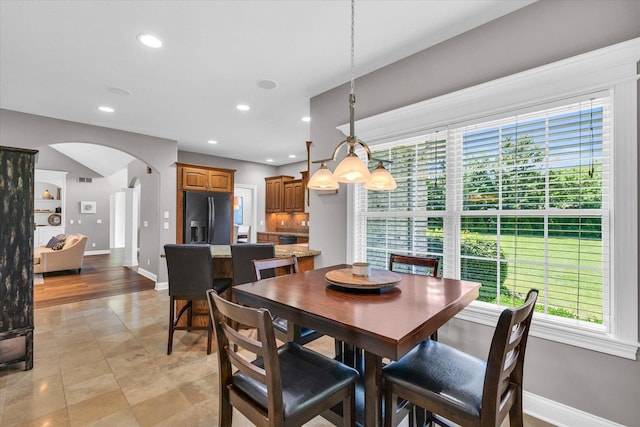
(516, 193)
(524, 201)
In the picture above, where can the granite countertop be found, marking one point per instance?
(301, 250)
(284, 233)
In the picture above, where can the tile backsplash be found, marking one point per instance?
(287, 223)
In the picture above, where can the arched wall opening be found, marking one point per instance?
(156, 155)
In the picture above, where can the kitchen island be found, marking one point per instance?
(222, 267)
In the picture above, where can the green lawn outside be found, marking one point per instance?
(569, 291)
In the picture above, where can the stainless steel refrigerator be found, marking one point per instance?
(207, 217)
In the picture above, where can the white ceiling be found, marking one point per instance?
(58, 57)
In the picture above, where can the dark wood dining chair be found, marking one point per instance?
(285, 331)
(427, 266)
(459, 387)
(286, 386)
(190, 272)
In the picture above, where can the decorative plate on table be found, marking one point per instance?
(379, 279)
(54, 219)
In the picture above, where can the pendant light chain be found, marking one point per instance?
(352, 170)
(353, 12)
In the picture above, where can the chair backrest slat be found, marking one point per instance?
(431, 263)
(243, 341)
(265, 268)
(246, 367)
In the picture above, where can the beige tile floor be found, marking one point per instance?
(103, 362)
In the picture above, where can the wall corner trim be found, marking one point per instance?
(149, 275)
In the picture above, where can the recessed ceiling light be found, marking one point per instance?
(292, 156)
(118, 91)
(106, 109)
(267, 84)
(149, 40)
(211, 141)
(243, 107)
(306, 119)
(270, 160)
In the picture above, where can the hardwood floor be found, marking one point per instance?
(101, 276)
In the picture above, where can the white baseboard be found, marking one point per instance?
(559, 414)
(98, 252)
(149, 275)
(160, 286)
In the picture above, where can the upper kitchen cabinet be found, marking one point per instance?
(294, 196)
(202, 178)
(274, 202)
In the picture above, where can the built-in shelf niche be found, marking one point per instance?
(49, 212)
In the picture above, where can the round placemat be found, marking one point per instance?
(377, 280)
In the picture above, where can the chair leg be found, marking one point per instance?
(515, 413)
(339, 350)
(349, 409)
(420, 416)
(189, 316)
(390, 406)
(209, 334)
(171, 314)
(225, 415)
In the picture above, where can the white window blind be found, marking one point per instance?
(410, 219)
(514, 203)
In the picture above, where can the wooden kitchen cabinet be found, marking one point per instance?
(202, 178)
(294, 196)
(274, 198)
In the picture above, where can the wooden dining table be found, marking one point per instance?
(384, 323)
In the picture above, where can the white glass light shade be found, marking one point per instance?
(351, 170)
(381, 180)
(322, 179)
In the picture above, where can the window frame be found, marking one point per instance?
(612, 69)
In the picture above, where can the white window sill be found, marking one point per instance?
(561, 330)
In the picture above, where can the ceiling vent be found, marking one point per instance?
(86, 180)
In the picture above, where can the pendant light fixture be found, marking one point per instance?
(351, 169)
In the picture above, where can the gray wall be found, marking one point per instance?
(293, 169)
(149, 211)
(98, 191)
(31, 131)
(541, 33)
